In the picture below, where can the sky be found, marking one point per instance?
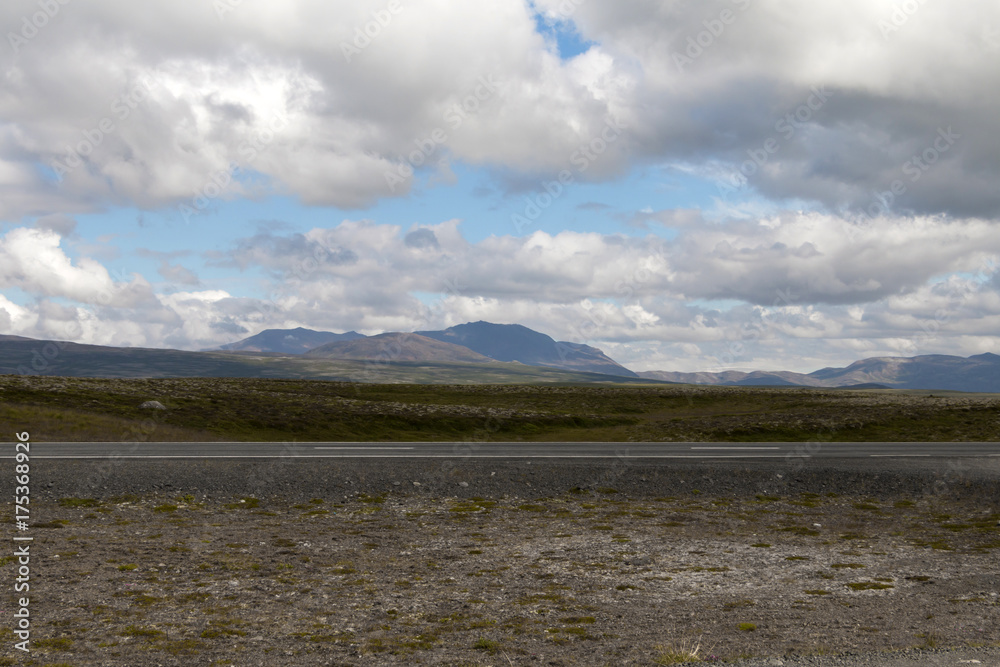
(687, 185)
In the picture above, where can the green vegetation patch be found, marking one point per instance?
(868, 586)
(417, 401)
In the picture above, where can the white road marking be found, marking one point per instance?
(426, 456)
(364, 447)
(740, 448)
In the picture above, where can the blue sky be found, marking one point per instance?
(386, 166)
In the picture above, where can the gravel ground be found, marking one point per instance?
(468, 562)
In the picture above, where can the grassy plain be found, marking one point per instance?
(253, 409)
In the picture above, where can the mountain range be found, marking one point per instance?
(474, 342)
(472, 352)
(980, 373)
(391, 347)
(513, 342)
(288, 341)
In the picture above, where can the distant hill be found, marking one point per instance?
(513, 342)
(394, 347)
(734, 378)
(288, 341)
(978, 373)
(27, 356)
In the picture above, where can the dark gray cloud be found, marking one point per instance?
(292, 254)
(59, 223)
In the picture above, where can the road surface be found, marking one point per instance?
(507, 450)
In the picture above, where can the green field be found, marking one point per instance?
(251, 409)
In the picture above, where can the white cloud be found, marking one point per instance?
(217, 88)
(32, 260)
(14, 317)
(163, 104)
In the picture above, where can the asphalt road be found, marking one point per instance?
(506, 450)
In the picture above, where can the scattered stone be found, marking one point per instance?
(416, 484)
(153, 405)
(463, 484)
(639, 561)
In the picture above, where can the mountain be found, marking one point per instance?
(734, 378)
(501, 342)
(391, 347)
(27, 356)
(513, 342)
(978, 373)
(288, 341)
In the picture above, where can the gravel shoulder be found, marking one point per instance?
(513, 562)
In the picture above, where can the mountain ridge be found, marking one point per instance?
(287, 341)
(516, 342)
(475, 343)
(389, 347)
(977, 373)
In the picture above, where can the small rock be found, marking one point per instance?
(153, 405)
(395, 483)
(639, 560)
(416, 484)
(463, 484)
